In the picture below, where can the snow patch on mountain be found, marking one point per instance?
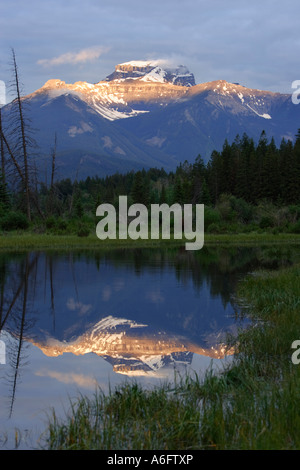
(112, 322)
(111, 113)
(156, 75)
(160, 71)
(265, 115)
(84, 127)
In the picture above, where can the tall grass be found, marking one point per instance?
(16, 241)
(252, 404)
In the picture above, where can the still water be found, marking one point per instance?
(70, 322)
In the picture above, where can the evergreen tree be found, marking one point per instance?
(214, 175)
(163, 195)
(205, 195)
(178, 191)
(140, 189)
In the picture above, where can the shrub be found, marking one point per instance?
(296, 227)
(266, 222)
(224, 207)
(83, 230)
(213, 228)
(248, 228)
(62, 224)
(294, 212)
(242, 208)
(50, 222)
(211, 216)
(14, 221)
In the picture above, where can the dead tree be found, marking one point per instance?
(18, 143)
(23, 135)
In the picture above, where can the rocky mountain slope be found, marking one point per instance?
(149, 114)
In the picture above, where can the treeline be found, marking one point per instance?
(242, 169)
(246, 186)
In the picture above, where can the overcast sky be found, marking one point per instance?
(254, 43)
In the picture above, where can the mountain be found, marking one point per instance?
(149, 114)
(153, 71)
(133, 348)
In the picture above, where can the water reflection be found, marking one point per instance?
(144, 312)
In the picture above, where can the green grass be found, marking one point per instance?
(28, 240)
(253, 404)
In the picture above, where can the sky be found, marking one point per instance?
(253, 43)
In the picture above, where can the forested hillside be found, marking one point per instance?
(244, 187)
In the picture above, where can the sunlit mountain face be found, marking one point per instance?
(132, 349)
(149, 114)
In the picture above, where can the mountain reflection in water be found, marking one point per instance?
(141, 310)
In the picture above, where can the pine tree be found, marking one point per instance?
(163, 195)
(214, 175)
(140, 189)
(178, 196)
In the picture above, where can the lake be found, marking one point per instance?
(72, 321)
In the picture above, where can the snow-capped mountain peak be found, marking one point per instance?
(151, 114)
(153, 71)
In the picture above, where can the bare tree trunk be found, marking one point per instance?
(24, 143)
(21, 174)
(12, 157)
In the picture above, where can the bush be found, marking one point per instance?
(266, 222)
(56, 225)
(296, 227)
(213, 228)
(61, 224)
(294, 212)
(248, 228)
(50, 222)
(242, 208)
(211, 216)
(83, 230)
(224, 207)
(14, 221)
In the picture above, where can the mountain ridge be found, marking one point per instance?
(144, 115)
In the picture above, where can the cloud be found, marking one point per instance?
(69, 378)
(84, 55)
(81, 308)
(155, 296)
(106, 294)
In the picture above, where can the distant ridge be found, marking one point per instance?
(149, 114)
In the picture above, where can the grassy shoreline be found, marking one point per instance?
(253, 404)
(28, 240)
